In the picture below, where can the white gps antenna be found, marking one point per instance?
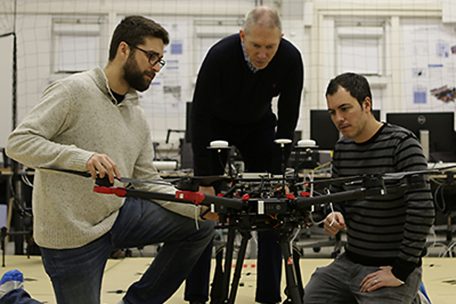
(306, 143)
(219, 146)
(306, 155)
(282, 142)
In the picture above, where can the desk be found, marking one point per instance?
(4, 195)
(443, 188)
(440, 165)
(19, 204)
(5, 177)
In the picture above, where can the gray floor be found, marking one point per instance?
(316, 248)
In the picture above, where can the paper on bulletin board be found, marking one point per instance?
(164, 103)
(430, 64)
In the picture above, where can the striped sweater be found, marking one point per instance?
(391, 229)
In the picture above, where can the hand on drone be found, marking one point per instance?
(207, 214)
(208, 190)
(100, 165)
(334, 223)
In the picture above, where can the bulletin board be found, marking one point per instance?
(429, 66)
(164, 102)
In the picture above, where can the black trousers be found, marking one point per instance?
(269, 270)
(260, 154)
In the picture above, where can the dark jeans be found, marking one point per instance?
(76, 274)
(18, 296)
(339, 283)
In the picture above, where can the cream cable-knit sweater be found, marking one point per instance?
(76, 118)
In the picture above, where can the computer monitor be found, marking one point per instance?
(440, 127)
(323, 131)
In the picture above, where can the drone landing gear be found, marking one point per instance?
(294, 289)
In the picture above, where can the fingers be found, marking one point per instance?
(378, 279)
(101, 165)
(208, 190)
(333, 223)
(371, 283)
(211, 216)
(208, 215)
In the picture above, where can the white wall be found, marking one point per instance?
(41, 25)
(318, 27)
(399, 29)
(6, 82)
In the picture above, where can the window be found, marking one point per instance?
(360, 50)
(76, 44)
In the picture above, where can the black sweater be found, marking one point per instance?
(227, 91)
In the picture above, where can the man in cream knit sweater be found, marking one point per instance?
(91, 121)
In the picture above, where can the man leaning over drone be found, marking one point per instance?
(385, 235)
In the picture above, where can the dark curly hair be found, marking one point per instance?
(133, 30)
(357, 85)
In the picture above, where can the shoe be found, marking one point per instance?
(422, 295)
(11, 280)
(12, 275)
(197, 302)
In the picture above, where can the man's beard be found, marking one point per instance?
(134, 77)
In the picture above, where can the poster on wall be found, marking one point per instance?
(430, 68)
(164, 102)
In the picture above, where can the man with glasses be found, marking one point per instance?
(92, 122)
(153, 57)
(238, 79)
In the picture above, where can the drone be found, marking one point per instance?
(255, 202)
(262, 201)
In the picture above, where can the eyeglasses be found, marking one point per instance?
(152, 56)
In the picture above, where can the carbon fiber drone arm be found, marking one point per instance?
(190, 197)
